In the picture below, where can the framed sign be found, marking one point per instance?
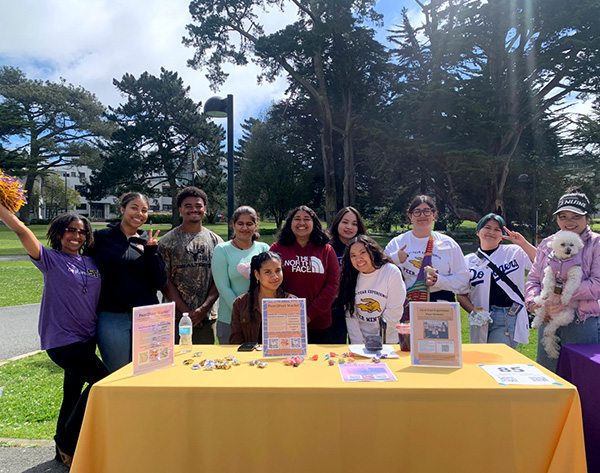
(435, 338)
(284, 327)
(153, 337)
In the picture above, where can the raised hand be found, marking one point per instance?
(514, 237)
(153, 240)
(518, 239)
(402, 255)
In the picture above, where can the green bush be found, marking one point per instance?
(267, 231)
(157, 218)
(39, 221)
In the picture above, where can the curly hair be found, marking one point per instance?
(59, 224)
(317, 236)
(244, 210)
(191, 191)
(333, 231)
(255, 265)
(349, 274)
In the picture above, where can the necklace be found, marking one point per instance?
(75, 268)
(238, 246)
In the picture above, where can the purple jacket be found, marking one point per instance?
(588, 293)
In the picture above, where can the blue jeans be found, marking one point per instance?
(575, 332)
(114, 339)
(223, 331)
(497, 329)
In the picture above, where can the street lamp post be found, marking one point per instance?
(65, 175)
(193, 143)
(219, 107)
(524, 179)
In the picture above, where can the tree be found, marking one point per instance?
(151, 145)
(52, 193)
(46, 124)
(489, 73)
(304, 50)
(273, 177)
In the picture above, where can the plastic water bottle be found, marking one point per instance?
(185, 334)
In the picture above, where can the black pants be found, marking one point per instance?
(81, 366)
(337, 332)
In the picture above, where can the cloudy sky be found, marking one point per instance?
(90, 42)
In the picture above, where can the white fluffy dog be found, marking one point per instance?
(562, 277)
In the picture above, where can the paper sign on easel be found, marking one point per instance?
(435, 338)
(284, 327)
(153, 337)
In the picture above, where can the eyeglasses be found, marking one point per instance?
(75, 230)
(426, 212)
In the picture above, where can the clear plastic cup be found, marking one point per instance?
(404, 336)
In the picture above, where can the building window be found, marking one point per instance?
(97, 210)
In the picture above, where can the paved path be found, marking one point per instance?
(18, 330)
(18, 337)
(14, 258)
(28, 456)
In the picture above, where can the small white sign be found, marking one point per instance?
(518, 374)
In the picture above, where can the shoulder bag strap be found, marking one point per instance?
(500, 274)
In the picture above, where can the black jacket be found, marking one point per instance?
(132, 272)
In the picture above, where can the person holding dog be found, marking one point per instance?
(494, 295)
(572, 214)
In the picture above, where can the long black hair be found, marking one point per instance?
(58, 225)
(333, 231)
(317, 236)
(350, 273)
(255, 265)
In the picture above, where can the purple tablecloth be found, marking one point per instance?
(580, 365)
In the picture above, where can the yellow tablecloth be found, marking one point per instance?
(306, 419)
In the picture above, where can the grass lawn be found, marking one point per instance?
(21, 283)
(30, 398)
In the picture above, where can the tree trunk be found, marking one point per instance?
(349, 165)
(328, 166)
(326, 140)
(25, 211)
(174, 209)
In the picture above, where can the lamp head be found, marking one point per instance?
(216, 107)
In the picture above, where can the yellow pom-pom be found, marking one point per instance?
(12, 194)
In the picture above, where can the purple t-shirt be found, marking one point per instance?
(67, 314)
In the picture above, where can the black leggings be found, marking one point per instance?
(81, 366)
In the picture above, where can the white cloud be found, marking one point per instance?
(93, 41)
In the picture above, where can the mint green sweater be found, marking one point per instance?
(228, 264)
